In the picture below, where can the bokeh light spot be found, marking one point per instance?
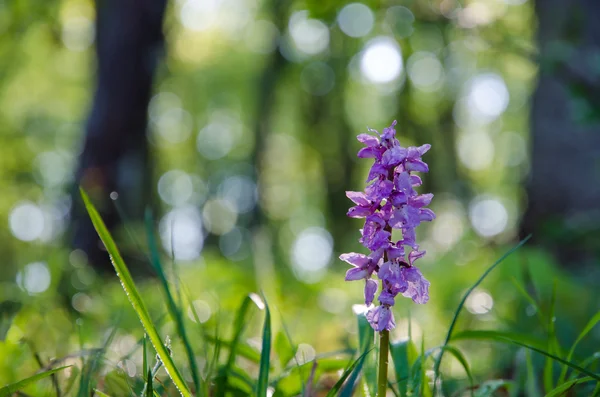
(305, 353)
(26, 221)
(181, 233)
(202, 310)
(381, 61)
(488, 216)
(475, 150)
(479, 302)
(175, 187)
(240, 191)
(425, 71)
(311, 253)
(78, 33)
(34, 278)
(356, 20)
(310, 36)
(219, 216)
(487, 97)
(217, 138)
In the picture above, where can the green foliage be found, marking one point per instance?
(265, 355)
(286, 376)
(134, 298)
(404, 355)
(462, 303)
(15, 387)
(175, 312)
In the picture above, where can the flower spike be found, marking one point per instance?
(390, 202)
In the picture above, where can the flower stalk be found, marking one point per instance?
(384, 345)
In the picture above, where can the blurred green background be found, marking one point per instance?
(251, 122)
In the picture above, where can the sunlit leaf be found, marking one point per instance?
(134, 297)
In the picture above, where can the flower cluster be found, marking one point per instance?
(390, 202)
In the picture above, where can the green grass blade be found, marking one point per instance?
(404, 354)
(172, 306)
(349, 370)
(93, 365)
(145, 368)
(149, 387)
(15, 387)
(562, 389)
(590, 325)
(293, 349)
(531, 384)
(243, 349)
(100, 393)
(462, 303)
(531, 340)
(8, 311)
(463, 362)
(134, 297)
(424, 386)
(530, 299)
(586, 363)
(366, 336)
(350, 386)
(265, 355)
(238, 329)
(552, 345)
(552, 356)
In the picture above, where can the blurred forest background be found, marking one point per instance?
(235, 120)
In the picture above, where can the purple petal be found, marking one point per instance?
(370, 290)
(424, 149)
(376, 171)
(407, 216)
(416, 180)
(393, 156)
(368, 140)
(412, 153)
(376, 256)
(398, 199)
(396, 220)
(385, 271)
(403, 183)
(358, 198)
(409, 237)
(369, 152)
(358, 260)
(389, 132)
(379, 190)
(418, 286)
(416, 165)
(427, 215)
(359, 212)
(421, 200)
(381, 318)
(386, 298)
(395, 252)
(356, 273)
(377, 240)
(414, 255)
(386, 211)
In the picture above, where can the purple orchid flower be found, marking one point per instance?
(390, 202)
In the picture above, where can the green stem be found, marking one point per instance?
(384, 344)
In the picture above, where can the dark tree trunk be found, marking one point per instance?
(564, 185)
(129, 44)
